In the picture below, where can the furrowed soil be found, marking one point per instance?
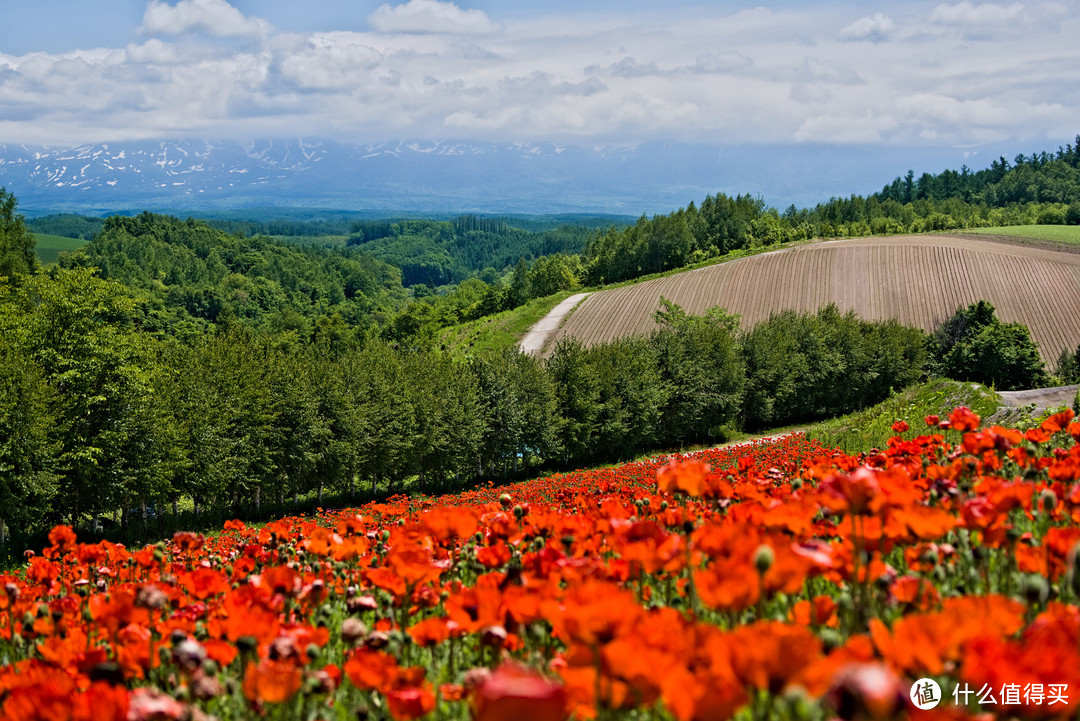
(918, 280)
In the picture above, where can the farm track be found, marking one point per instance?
(918, 280)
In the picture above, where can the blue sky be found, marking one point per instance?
(960, 76)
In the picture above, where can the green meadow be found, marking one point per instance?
(1056, 233)
(49, 247)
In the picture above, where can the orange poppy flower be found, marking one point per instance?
(372, 670)
(411, 702)
(271, 681)
(513, 692)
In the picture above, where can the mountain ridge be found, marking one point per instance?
(446, 175)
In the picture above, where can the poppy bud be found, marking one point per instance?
(247, 644)
(493, 636)
(1074, 569)
(108, 672)
(505, 500)
(519, 512)
(12, 592)
(1048, 500)
(1036, 589)
(764, 557)
(377, 640)
(476, 676)
(189, 655)
(205, 687)
(150, 596)
(352, 630)
(866, 690)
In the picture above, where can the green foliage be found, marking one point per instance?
(1067, 371)
(438, 253)
(67, 225)
(975, 345)
(195, 277)
(803, 366)
(872, 427)
(16, 241)
(699, 360)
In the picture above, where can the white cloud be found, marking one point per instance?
(430, 16)
(845, 128)
(875, 28)
(701, 74)
(212, 17)
(502, 118)
(968, 14)
(155, 52)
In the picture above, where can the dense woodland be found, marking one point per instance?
(172, 362)
(101, 416)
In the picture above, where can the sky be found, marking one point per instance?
(917, 74)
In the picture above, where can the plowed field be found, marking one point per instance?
(919, 280)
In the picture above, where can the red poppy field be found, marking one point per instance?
(775, 579)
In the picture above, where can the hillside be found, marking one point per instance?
(918, 280)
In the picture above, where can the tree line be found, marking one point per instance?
(99, 415)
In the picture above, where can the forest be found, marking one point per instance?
(172, 364)
(101, 416)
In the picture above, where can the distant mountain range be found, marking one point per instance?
(431, 176)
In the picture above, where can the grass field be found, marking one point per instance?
(49, 247)
(872, 427)
(918, 280)
(1055, 233)
(502, 330)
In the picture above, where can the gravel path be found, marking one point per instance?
(534, 341)
(1042, 397)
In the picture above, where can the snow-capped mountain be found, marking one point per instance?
(401, 175)
(440, 175)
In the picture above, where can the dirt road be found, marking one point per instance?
(1043, 398)
(534, 341)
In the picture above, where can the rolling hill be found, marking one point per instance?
(919, 280)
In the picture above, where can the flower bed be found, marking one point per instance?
(774, 579)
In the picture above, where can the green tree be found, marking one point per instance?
(16, 241)
(28, 447)
(974, 345)
(698, 358)
(78, 331)
(577, 397)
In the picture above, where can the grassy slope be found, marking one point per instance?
(872, 427)
(1055, 233)
(49, 246)
(501, 330)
